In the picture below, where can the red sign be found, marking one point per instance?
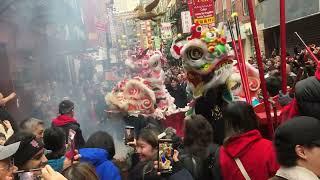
(190, 5)
(203, 11)
(101, 26)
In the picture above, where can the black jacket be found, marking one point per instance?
(204, 167)
(180, 95)
(307, 94)
(79, 140)
(145, 171)
(211, 106)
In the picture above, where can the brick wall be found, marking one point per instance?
(238, 8)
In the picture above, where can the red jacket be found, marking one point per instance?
(67, 123)
(289, 111)
(256, 154)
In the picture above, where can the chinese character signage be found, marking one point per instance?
(203, 11)
(166, 32)
(186, 21)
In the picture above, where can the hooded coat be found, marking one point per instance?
(66, 123)
(308, 97)
(256, 154)
(100, 159)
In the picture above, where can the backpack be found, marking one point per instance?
(214, 164)
(202, 169)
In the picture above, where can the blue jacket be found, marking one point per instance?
(99, 158)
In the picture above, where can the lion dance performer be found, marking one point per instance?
(143, 94)
(212, 76)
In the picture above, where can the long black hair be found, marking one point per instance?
(239, 117)
(150, 135)
(103, 140)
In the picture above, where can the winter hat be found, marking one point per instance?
(301, 130)
(29, 147)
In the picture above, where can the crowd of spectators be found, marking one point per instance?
(43, 145)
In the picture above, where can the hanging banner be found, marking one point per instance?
(203, 11)
(166, 32)
(186, 21)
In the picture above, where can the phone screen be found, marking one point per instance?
(28, 175)
(165, 156)
(71, 143)
(129, 134)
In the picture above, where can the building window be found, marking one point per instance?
(245, 7)
(224, 4)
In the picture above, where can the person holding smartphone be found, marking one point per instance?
(147, 150)
(67, 121)
(54, 140)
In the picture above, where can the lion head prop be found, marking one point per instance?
(207, 59)
(143, 93)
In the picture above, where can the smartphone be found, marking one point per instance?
(71, 144)
(32, 174)
(165, 155)
(129, 134)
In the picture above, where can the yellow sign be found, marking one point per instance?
(208, 20)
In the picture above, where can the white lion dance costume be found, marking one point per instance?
(143, 93)
(209, 63)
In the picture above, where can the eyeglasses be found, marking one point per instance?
(9, 166)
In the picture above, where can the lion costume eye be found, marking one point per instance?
(155, 64)
(199, 29)
(194, 53)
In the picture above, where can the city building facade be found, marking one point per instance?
(224, 10)
(301, 16)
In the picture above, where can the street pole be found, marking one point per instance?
(106, 63)
(242, 61)
(260, 67)
(314, 58)
(283, 45)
